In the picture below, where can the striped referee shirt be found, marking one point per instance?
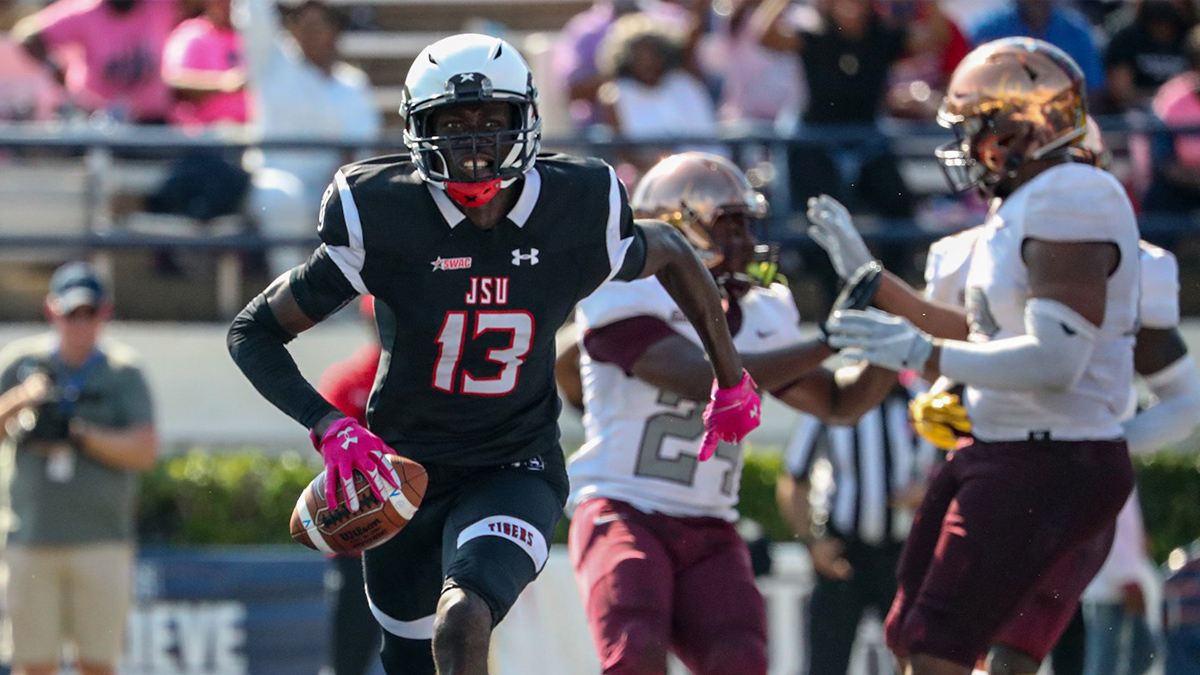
(871, 462)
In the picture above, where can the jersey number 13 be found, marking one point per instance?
(518, 324)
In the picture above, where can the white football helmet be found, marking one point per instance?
(463, 69)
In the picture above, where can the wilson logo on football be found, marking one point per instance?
(451, 263)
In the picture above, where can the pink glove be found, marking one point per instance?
(731, 414)
(347, 446)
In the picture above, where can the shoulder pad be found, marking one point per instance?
(1160, 287)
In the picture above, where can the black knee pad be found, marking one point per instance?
(407, 657)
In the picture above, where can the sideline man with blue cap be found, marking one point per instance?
(76, 425)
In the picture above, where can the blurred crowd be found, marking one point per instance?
(838, 72)
(200, 65)
(653, 68)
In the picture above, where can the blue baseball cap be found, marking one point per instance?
(74, 285)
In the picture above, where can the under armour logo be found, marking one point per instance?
(519, 257)
(347, 439)
(466, 77)
(754, 413)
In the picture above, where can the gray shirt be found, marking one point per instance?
(96, 502)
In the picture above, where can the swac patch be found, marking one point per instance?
(519, 532)
(451, 263)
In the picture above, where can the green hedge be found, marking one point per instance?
(247, 498)
(236, 498)
(1169, 488)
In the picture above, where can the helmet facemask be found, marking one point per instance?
(727, 242)
(506, 154)
(712, 203)
(988, 154)
(472, 162)
(1011, 103)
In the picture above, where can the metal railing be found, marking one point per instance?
(101, 147)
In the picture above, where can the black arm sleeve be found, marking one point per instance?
(257, 342)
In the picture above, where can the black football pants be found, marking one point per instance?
(483, 529)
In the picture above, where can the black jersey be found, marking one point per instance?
(467, 317)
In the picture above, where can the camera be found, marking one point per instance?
(50, 420)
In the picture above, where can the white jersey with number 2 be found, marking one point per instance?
(642, 442)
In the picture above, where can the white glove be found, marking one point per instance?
(879, 338)
(833, 230)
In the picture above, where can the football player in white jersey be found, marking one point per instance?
(1160, 357)
(1045, 351)
(659, 563)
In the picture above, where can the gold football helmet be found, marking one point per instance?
(940, 418)
(693, 191)
(1093, 149)
(1010, 101)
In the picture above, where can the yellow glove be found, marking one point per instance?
(765, 273)
(940, 418)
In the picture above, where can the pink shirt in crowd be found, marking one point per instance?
(112, 58)
(198, 53)
(27, 92)
(1178, 104)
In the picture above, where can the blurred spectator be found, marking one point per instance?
(1147, 52)
(27, 90)
(758, 85)
(1119, 641)
(856, 518)
(300, 91)
(649, 94)
(106, 52)
(847, 60)
(969, 12)
(1175, 159)
(1181, 611)
(575, 67)
(76, 422)
(918, 80)
(1047, 20)
(204, 66)
(355, 636)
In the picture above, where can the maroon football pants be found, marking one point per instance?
(998, 517)
(653, 584)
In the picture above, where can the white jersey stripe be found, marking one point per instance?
(349, 259)
(511, 529)
(841, 453)
(802, 445)
(872, 505)
(420, 629)
(617, 247)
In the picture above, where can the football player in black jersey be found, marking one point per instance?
(476, 250)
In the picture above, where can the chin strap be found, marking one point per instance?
(474, 194)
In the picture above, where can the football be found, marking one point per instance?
(338, 530)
